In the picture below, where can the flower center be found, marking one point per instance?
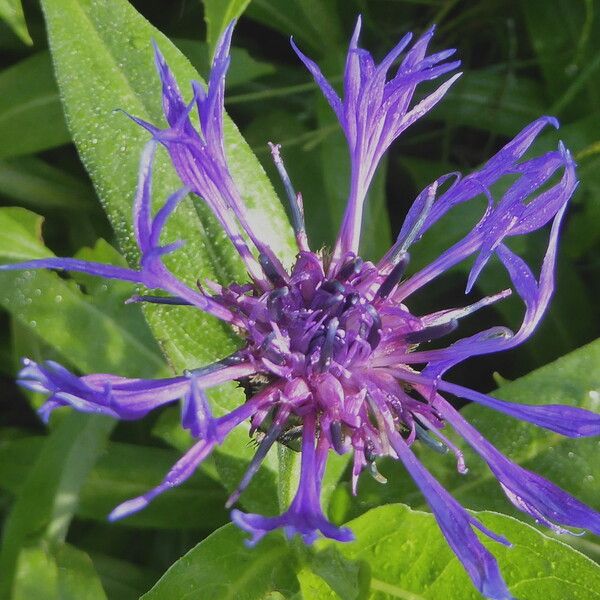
(312, 323)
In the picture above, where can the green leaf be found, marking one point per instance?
(67, 574)
(222, 568)
(565, 41)
(217, 15)
(313, 22)
(125, 471)
(49, 497)
(410, 559)
(122, 580)
(11, 12)
(110, 42)
(33, 182)
(570, 463)
(398, 553)
(88, 331)
(31, 117)
(493, 101)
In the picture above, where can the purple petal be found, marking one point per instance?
(304, 517)
(181, 471)
(118, 397)
(82, 266)
(529, 492)
(456, 525)
(328, 91)
(173, 103)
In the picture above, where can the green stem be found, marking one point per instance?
(289, 475)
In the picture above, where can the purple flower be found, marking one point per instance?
(346, 366)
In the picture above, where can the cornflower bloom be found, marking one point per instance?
(344, 362)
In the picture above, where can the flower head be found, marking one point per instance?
(346, 366)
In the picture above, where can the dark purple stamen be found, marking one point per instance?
(171, 300)
(265, 445)
(337, 437)
(274, 302)
(293, 197)
(327, 347)
(351, 268)
(394, 277)
(429, 440)
(270, 270)
(228, 361)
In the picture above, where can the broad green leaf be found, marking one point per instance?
(11, 12)
(110, 42)
(87, 331)
(222, 568)
(66, 574)
(570, 463)
(409, 558)
(398, 553)
(122, 472)
(31, 117)
(32, 182)
(217, 15)
(49, 497)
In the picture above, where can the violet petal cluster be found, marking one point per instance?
(345, 365)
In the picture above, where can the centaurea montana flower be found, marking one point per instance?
(345, 362)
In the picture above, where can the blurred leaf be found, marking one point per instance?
(222, 568)
(230, 462)
(312, 586)
(346, 579)
(217, 15)
(122, 580)
(565, 41)
(313, 22)
(31, 117)
(33, 182)
(11, 12)
(49, 497)
(243, 69)
(409, 558)
(122, 472)
(67, 574)
(498, 102)
(110, 42)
